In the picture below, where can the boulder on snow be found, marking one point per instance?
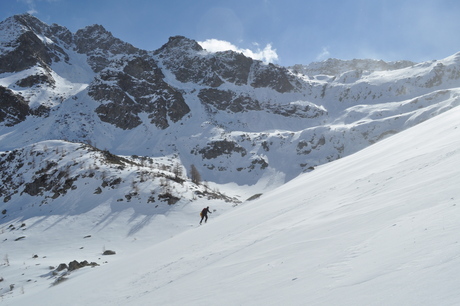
(62, 266)
(74, 265)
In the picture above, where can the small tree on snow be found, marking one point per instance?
(177, 170)
(195, 176)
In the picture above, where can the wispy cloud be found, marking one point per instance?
(323, 55)
(31, 4)
(267, 54)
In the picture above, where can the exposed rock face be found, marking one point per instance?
(234, 67)
(214, 70)
(100, 46)
(274, 77)
(299, 109)
(13, 108)
(37, 79)
(129, 85)
(138, 87)
(196, 67)
(28, 50)
(58, 182)
(218, 148)
(227, 100)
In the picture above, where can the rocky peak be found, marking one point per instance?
(96, 37)
(185, 59)
(31, 23)
(189, 62)
(99, 44)
(178, 42)
(28, 42)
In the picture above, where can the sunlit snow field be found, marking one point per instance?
(379, 227)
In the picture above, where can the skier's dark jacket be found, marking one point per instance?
(205, 211)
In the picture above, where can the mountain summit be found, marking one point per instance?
(235, 118)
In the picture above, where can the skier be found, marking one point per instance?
(204, 214)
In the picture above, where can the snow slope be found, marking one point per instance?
(379, 227)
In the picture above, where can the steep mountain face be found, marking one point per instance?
(131, 86)
(187, 60)
(138, 79)
(14, 107)
(236, 119)
(26, 42)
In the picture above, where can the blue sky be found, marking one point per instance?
(285, 32)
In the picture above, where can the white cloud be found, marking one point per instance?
(33, 3)
(31, 6)
(267, 54)
(325, 54)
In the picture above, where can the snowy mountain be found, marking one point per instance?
(304, 168)
(236, 119)
(378, 227)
